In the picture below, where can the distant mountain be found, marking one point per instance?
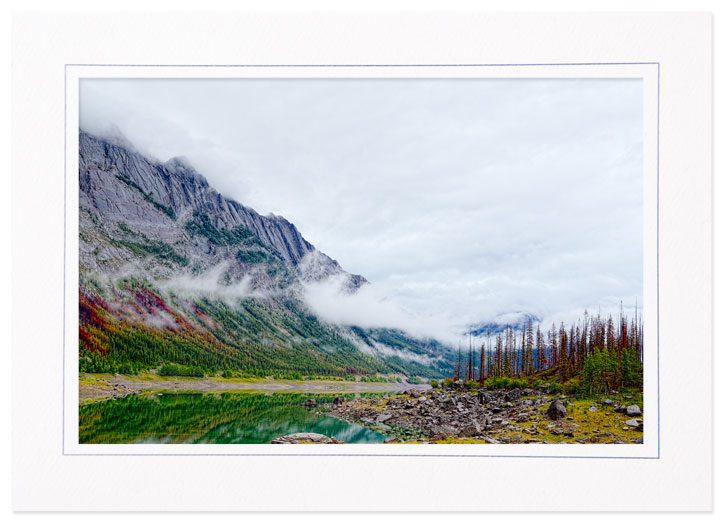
(516, 320)
(173, 272)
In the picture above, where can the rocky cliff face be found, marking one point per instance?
(164, 216)
(173, 272)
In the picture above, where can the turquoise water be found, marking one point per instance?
(225, 418)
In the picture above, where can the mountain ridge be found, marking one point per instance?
(173, 272)
(119, 183)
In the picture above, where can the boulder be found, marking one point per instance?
(337, 401)
(556, 410)
(634, 410)
(513, 395)
(304, 437)
(438, 432)
(382, 418)
(310, 403)
(472, 429)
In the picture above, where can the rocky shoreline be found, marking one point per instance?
(494, 417)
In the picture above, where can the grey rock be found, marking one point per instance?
(304, 437)
(513, 395)
(472, 429)
(556, 410)
(634, 410)
(439, 432)
(382, 418)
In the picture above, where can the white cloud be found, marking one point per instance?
(210, 283)
(460, 199)
(369, 308)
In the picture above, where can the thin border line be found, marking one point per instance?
(390, 455)
(659, 443)
(370, 65)
(65, 169)
(65, 228)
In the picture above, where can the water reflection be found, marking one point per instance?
(224, 418)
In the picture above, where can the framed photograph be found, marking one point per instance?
(435, 261)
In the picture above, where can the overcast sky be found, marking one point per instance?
(460, 199)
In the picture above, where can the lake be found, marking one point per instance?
(218, 418)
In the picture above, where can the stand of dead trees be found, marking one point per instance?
(604, 352)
